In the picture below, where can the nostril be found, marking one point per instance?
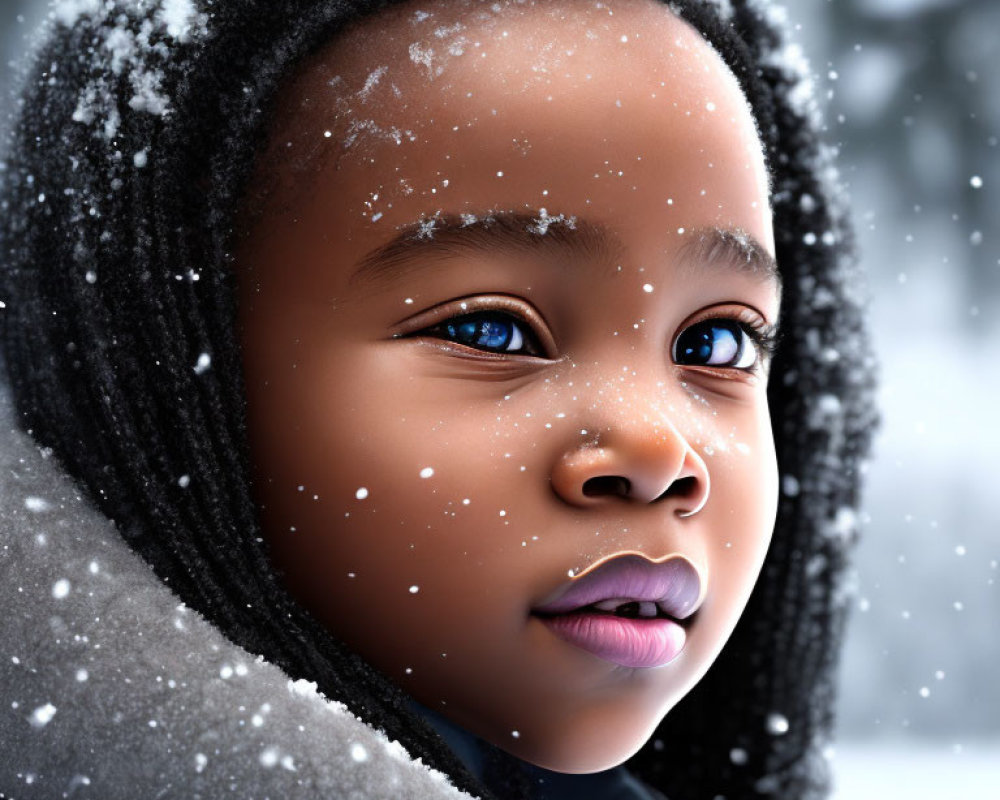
(682, 487)
(605, 485)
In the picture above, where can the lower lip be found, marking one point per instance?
(628, 642)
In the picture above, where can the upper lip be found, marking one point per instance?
(672, 584)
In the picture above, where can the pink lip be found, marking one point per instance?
(627, 641)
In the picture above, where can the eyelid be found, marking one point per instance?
(520, 309)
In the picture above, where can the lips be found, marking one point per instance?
(627, 611)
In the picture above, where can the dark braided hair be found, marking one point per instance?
(133, 144)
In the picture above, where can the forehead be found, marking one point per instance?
(470, 106)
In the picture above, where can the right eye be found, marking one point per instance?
(490, 331)
(717, 343)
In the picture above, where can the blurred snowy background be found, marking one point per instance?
(912, 96)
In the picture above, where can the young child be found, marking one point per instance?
(430, 353)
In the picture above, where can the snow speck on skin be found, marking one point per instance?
(42, 715)
(361, 493)
(427, 472)
(372, 81)
(422, 55)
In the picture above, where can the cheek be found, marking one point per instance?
(737, 526)
(411, 506)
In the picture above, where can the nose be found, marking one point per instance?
(638, 462)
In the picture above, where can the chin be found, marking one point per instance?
(592, 740)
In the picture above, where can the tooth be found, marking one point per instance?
(647, 609)
(609, 605)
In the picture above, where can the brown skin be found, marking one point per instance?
(351, 385)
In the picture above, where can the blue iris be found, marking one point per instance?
(714, 342)
(488, 332)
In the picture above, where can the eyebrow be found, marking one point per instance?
(731, 249)
(463, 235)
(454, 236)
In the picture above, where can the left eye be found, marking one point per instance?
(716, 343)
(491, 331)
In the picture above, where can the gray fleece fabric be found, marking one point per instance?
(111, 688)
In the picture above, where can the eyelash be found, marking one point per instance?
(763, 337)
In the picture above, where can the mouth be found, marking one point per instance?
(629, 611)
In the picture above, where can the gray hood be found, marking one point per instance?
(111, 688)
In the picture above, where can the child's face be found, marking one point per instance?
(448, 433)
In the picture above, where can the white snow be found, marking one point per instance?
(422, 55)
(180, 18)
(303, 688)
(359, 753)
(42, 715)
(148, 96)
(777, 724)
(128, 44)
(60, 589)
(361, 493)
(427, 472)
(36, 504)
(67, 12)
(372, 81)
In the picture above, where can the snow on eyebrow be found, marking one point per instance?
(732, 248)
(447, 235)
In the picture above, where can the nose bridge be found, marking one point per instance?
(644, 404)
(633, 444)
